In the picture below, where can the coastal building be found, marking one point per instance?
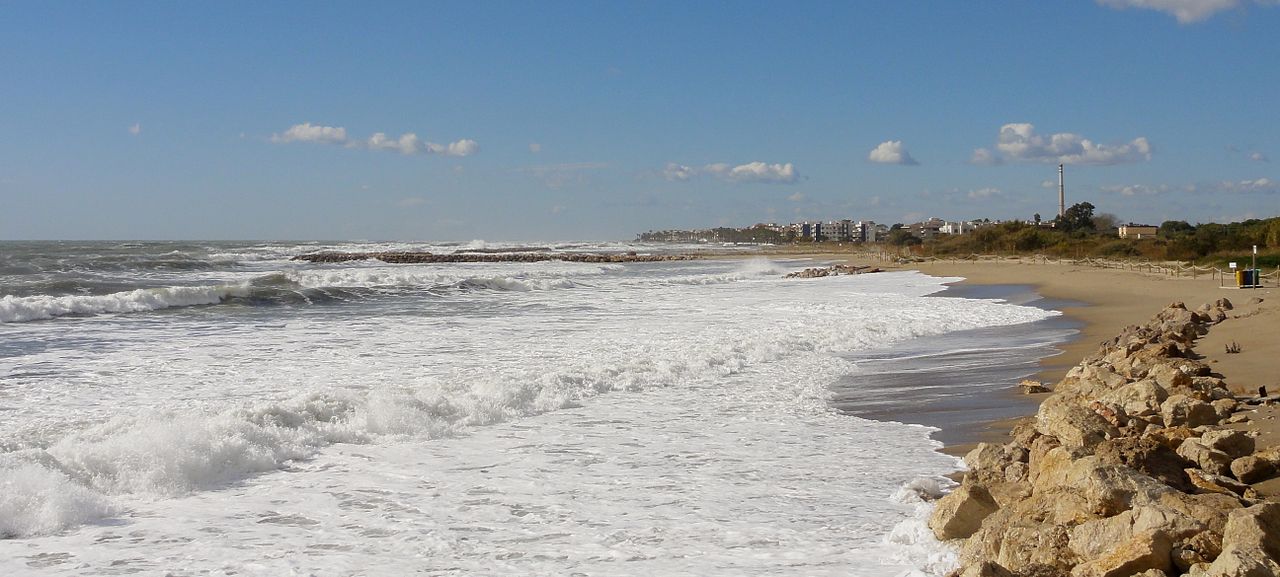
(928, 229)
(1137, 231)
(956, 228)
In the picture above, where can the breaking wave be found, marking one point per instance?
(41, 307)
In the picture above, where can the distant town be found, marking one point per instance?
(860, 231)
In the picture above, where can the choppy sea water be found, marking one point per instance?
(215, 408)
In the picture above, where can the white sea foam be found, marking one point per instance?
(21, 309)
(684, 428)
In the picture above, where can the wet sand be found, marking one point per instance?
(1105, 301)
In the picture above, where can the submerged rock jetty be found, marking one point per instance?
(1130, 467)
(427, 257)
(838, 269)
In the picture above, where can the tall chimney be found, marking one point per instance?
(1062, 194)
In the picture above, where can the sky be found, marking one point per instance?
(547, 120)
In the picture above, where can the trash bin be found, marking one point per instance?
(1240, 276)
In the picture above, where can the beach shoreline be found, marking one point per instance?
(1103, 302)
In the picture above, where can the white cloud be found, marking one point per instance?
(679, 172)
(1186, 11)
(797, 197)
(985, 157)
(984, 193)
(1019, 142)
(1136, 189)
(1259, 157)
(891, 152)
(1046, 183)
(136, 129)
(407, 143)
(535, 147)
(307, 132)
(759, 172)
(1261, 185)
(464, 147)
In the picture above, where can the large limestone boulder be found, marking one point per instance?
(1017, 540)
(1073, 425)
(1234, 443)
(1138, 399)
(1142, 552)
(1196, 452)
(1093, 538)
(1148, 456)
(985, 569)
(1256, 528)
(1211, 509)
(1252, 469)
(960, 513)
(1181, 410)
(1105, 489)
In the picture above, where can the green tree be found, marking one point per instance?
(1175, 228)
(1077, 218)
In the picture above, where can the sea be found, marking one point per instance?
(216, 408)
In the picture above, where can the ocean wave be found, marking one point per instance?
(42, 307)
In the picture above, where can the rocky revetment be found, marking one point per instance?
(1135, 465)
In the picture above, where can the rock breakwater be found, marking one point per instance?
(1130, 467)
(427, 257)
(835, 270)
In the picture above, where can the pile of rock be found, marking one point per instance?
(838, 269)
(427, 257)
(1129, 468)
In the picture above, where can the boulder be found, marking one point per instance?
(985, 569)
(1252, 469)
(1181, 410)
(1142, 552)
(1148, 456)
(1202, 547)
(1255, 529)
(1209, 508)
(1234, 443)
(1032, 387)
(1140, 398)
(1211, 483)
(1073, 425)
(1236, 563)
(1105, 489)
(1093, 538)
(961, 512)
(1213, 461)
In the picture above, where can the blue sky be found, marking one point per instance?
(599, 120)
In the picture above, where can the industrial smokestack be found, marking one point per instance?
(1062, 194)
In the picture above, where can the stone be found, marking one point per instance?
(1216, 483)
(1252, 469)
(1255, 529)
(1093, 538)
(1236, 563)
(1181, 410)
(1234, 443)
(1032, 387)
(1140, 398)
(1197, 453)
(1148, 456)
(1142, 552)
(985, 569)
(1202, 547)
(1074, 426)
(961, 512)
